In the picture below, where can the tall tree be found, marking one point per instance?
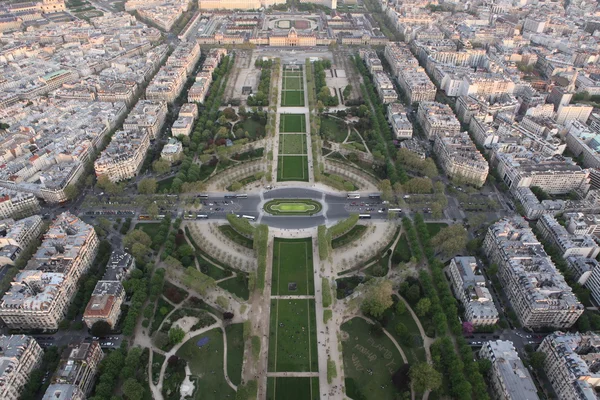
(378, 297)
(147, 186)
(424, 377)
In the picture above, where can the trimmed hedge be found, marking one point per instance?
(326, 290)
(261, 241)
(242, 225)
(322, 235)
(343, 226)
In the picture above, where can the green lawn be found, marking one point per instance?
(412, 345)
(235, 236)
(292, 123)
(212, 270)
(369, 362)
(292, 388)
(292, 82)
(435, 227)
(206, 364)
(293, 336)
(403, 248)
(292, 144)
(151, 228)
(292, 262)
(292, 98)
(237, 285)
(164, 184)
(353, 234)
(292, 207)
(292, 168)
(333, 129)
(235, 352)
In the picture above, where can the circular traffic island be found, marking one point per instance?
(293, 207)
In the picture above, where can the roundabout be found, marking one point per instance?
(290, 207)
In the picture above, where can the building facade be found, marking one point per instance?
(19, 357)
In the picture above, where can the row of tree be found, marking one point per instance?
(323, 93)
(261, 98)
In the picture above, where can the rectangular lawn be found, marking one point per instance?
(292, 123)
(293, 336)
(292, 82)
(293, 388)
(292, 98)
(291, 143)
(292, 168)
(292, 262)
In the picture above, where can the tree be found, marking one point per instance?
(137, 236)
(147, 186)
(176, 335)
(424, 377)
(537, 359)
(386, 190)
(450, 240)
(133, 389)
(468, 327)
(100, 329)
(422, 307)
(401, 329)
(484, 365)
(378, 297)
(71, 191)
(413, 294)
(235, 186)
(161, 166)
(152, 209)
(400, 307)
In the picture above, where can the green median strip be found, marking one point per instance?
(293, 207)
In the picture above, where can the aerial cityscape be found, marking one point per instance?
(299, 200)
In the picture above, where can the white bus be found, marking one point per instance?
(394, 210)
(201, 216)
(249, 217)
(242, 196)
(354, 195)
(203, 196)
(364, 216)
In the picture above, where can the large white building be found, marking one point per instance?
(468, 285)
(399, 121)
(568, 244)
(572, 364)
(17, 205)
(149, 115)
(16, 236)
(510, 379)
(535, 288)
(460, 158)
(124, 156)
(40, 294)
(20, 355)
(437, 119)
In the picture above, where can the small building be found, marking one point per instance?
(173, 151)
(105, 303)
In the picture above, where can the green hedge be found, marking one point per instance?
(323, 242)
(242, 225)
(343, 226)
(261, 240)
(326, 289)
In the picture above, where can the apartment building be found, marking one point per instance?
(399, 57)
(182, 126)
(16, 236)
(568, 244)
(123, 157)
(572, 364)
(189, 110)
(105, 303)
(485, 84)
(578, 223)
(385, 87)
(40, 294)
(199, 89)
(416, 85)
(468, 285)
(120, 265)
(17, 204)
(437, 119)
(586, 272)
(510, 379)
(554, 175)
(78, 366)
(149, 115)
(63, 391)
(402, 127)
(571, 112)
(460, 158)
(19, 356)
(167, 84)
(186, 56)
(536, 290)
(582, 141)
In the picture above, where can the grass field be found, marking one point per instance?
(292, 207)
(435, 227)
(235, 352)
(292, 98)
(403, 248)
(292, 168)
(292, 81)
(290, 143)
(292, 262)
(292, 388)
(356, 232)
(412, 343)
(292, 123)
(369, 362)
(237, 285)
(151, 228)
(293, 336)
(206, 365)
(235, 236)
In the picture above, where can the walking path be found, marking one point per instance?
(292, 374)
